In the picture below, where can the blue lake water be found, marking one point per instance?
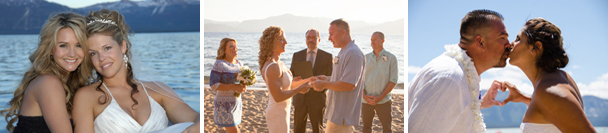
(173, 57)
(248, 47)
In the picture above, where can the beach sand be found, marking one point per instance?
(254, 107)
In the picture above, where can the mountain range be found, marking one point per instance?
(28, 16)
(511, 115)
(293, 23)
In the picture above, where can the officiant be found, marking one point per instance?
(312, 104)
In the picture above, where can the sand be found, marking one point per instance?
(254, 120)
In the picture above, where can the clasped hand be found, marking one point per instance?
(319, 83)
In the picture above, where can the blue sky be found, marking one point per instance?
(584, 26)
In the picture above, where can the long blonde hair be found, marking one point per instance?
(112, 23)
(269, 36)
(42, 63)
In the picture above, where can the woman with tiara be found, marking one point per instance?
(117, 101)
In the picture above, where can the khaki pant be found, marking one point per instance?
(334, 128)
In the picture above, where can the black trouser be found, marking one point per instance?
(384, 115)
(316, 118)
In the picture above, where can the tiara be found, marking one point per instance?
(106, 21)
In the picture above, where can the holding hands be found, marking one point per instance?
(319, 82)
(305, 87)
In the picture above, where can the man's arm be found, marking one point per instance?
(437, 106)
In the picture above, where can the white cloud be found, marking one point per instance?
(598, 88)
(413, 69)
(576, 66)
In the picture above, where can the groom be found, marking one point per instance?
(346, 82)
(444, 96)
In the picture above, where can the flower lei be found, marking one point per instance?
(459, 54)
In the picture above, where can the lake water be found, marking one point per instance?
(174, 57)
(249, 47)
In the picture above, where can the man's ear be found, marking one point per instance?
(479, 41)
(123, 47)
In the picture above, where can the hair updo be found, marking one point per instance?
(553, 56)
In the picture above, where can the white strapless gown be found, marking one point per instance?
(277, 114)
(538, 128)
(114, 120)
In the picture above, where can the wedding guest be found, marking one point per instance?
(117, 101)
(279, 80)
(312, 104)
(381, 73)
(43, 100)
(228, 108)
(346, 83)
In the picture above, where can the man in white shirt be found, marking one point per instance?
(444, 96)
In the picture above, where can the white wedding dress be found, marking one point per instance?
(114, 120)
(538, 128)
(277, 113)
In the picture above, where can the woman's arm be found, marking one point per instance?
(560, 107)
(50, 95)
(273, 82)
(82, 111)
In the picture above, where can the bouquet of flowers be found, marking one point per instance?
(245, 77)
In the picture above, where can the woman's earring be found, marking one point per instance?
(125, 58)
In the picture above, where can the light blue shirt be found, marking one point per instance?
(378, 73)
(344, 107)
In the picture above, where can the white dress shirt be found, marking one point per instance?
(314, 55)
(439, 98)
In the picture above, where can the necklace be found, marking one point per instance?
(473, 79)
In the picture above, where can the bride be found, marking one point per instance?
(117, 101)
(556, 103)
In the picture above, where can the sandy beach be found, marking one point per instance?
(254, 120)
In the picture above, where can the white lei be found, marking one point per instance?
(459, 54)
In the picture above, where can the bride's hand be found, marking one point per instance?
(304, 88)
(489, 99)
(514, 94)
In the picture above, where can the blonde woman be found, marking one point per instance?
(279, 79)
(227, 108)
(43, 99)
(117, 101)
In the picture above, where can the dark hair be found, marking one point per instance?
(474, 21)
(553, 56)
(341, 24)
(112, 23)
